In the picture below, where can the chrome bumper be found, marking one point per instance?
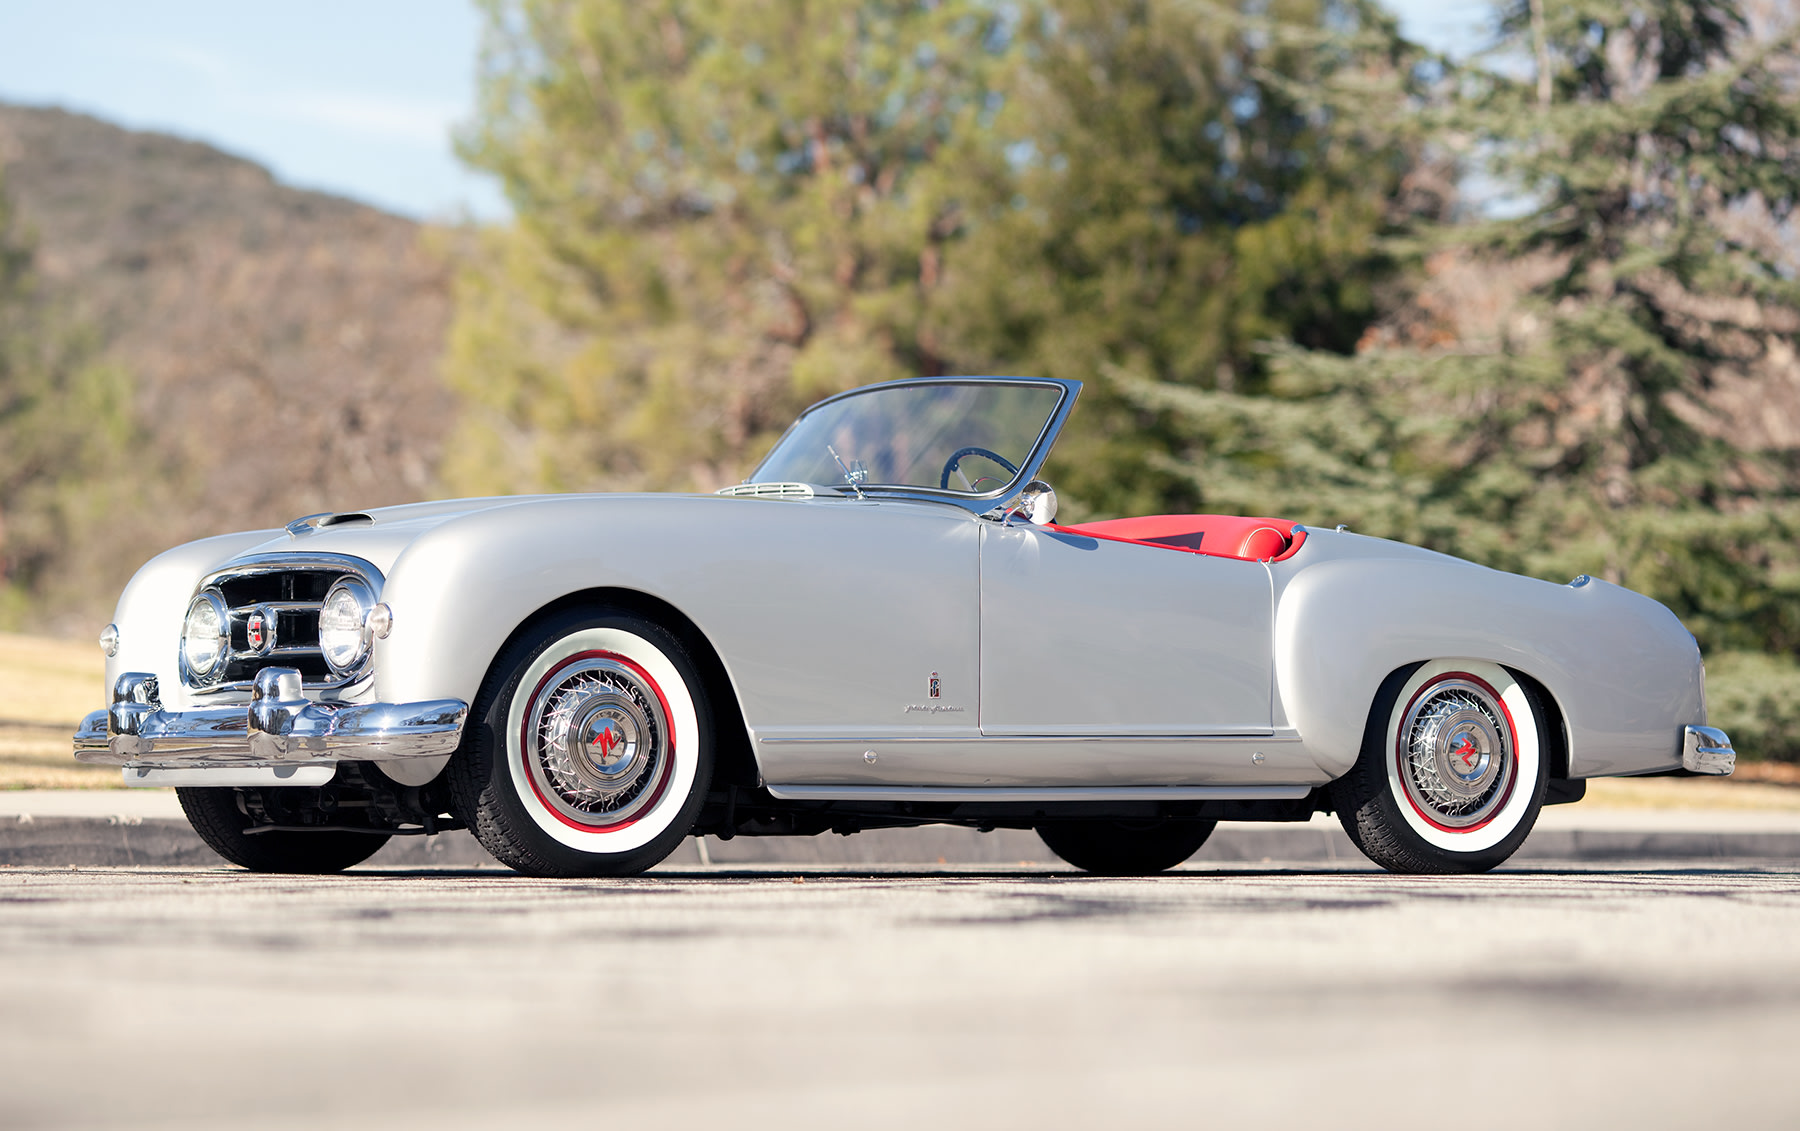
(279, 727)
(1707, 750)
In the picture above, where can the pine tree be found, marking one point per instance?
(1606, 412)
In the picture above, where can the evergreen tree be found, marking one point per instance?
(1605, 419)
(727, 210)
(1183, 181)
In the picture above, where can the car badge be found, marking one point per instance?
(605, 741)
(936, 686)
(256, 631)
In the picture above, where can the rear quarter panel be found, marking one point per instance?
(1623, 671)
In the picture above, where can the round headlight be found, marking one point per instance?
(343, 624)
(206, 636)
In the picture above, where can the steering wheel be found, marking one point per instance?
(956, 458)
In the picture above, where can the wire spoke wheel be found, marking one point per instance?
(597, 741)
(593, 752)
(1456, 752)
(1452, 771)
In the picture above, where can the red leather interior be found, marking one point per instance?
(1218, 535)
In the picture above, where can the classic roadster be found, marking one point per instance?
(882, 627)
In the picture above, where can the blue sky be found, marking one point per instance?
(355, 97)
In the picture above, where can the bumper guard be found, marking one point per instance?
(1707, 750)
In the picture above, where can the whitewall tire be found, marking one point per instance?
(1453, 769)
(591, 751)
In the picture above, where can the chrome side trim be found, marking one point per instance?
(1063, 793)
(279, 725)
(1192, 734)
(1707, 750)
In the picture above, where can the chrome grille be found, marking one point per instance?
(287, 591)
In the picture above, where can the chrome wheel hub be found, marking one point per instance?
(1456, 753)
(597, 741)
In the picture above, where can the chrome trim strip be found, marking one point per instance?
(1060, 793)
(1707, 750)
(996, 738)
(254, 564)
(279, 725)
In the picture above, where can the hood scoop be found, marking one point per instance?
(315, 522)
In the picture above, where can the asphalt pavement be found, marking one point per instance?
(1654, 995)
(141, 827)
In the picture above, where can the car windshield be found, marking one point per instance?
(971, 438)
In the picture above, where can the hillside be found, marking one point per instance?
(282, 345)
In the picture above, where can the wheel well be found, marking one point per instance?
(733, 762)
(1546, 705)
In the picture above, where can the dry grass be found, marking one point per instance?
(46, 686)
(1691, 793)
(49, 682)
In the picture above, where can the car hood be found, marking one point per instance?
(381, 535)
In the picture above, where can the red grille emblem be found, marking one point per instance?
(256, 631)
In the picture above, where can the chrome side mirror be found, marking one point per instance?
(1035, 503)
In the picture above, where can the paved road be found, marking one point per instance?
(1231, 997)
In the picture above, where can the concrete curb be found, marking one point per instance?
(125, 841)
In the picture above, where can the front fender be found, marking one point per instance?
(1622, 669)
(154, 604)
(461, 589)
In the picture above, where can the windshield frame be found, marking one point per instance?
(1067, 392)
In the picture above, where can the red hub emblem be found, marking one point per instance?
(1466, 749)
(605, 741)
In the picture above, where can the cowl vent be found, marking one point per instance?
(776, 491)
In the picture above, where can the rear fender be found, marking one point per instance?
(1622, 669)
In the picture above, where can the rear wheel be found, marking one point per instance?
(1125, 848)
(224, 827)
(590, 751)
(1452, 771)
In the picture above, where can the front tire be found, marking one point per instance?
(1125, 848)
(215, 815)
(591, 749)
(1452, 772)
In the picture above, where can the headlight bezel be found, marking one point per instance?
(364, 602)
(191, 672)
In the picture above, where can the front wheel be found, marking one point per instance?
(1125, 848)
(590, 749)
(1452, 771)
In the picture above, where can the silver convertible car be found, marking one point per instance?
(882, 627)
